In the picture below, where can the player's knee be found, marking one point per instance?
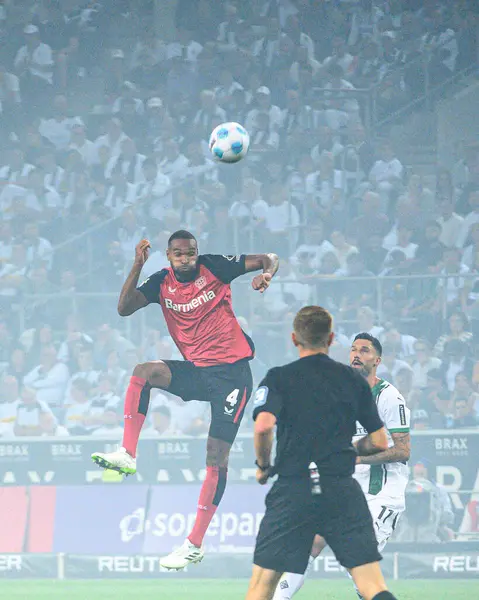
(319, 544)
(142, 370)
(156, 373)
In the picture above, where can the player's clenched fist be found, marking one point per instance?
(261, 282)
(141, 252)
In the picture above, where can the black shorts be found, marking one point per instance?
(226, 387)
(294, 516)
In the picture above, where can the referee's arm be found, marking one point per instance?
(263, 441)
(267, 406)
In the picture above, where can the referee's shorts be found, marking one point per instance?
(294, 516)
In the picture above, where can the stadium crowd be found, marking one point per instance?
(105, 141)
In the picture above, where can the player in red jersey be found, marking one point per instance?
(195, 296)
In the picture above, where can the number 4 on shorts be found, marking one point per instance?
(231, 401)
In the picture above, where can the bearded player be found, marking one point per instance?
(383, 477)
(195, 296)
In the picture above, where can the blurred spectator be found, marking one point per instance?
(57, 130)
(75, 340)
(287, 297)
(435, 399)
(86, 371)
(154, 191)
(386, 175)
(161, 423)
(9, 402)
(10, 100)
(157, 259)
(404, 243)
(429, 515)
(184, 47)
(430, 249)
(187, 418)
(374, 254)
(403, 381)
(471, 218)
(456, 360)
(49, 378)
(455, 288)
(129, 94)
(341, 248)
(17, 365)
(309, 255)
(16, 169)
(229, 29)
(129, 233)
(459, 329)
(209, 115)
(370, 222)
(129, 162)
(402, 344)
(79, 142)
(29, 420)
(342, 107)
(340, 56)
(420, 420)
(464, 413)
(360, 294)
(6, 242)
(423, 363)
(366, 321)
(464, 393)
(264, 107)
(34, 66)
(39, 250)
(173, 163)
(472, 247)
(78, 407)
(106, 409)
(120, 195)
(107, 339)
(113, 138)
(13, 276)
(282, 220)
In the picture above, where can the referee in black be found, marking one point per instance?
(315, 402)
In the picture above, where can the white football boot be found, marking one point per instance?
(185, 555)
(119, 460)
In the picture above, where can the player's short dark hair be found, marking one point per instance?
(181, 234)
(312, 326)
(374, 341)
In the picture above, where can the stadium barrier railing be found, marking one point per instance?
(410, 298)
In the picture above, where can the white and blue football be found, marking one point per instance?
(229, 142)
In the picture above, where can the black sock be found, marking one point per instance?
(384, 596)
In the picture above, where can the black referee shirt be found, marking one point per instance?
(316, 402)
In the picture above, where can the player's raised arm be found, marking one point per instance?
(131, 299)
(268, 262)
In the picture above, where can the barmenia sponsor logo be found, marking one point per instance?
(198, 301)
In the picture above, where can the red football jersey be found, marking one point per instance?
(199, 314)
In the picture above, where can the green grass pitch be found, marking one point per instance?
(215, 589)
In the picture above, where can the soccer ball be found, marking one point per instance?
(229, 142)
